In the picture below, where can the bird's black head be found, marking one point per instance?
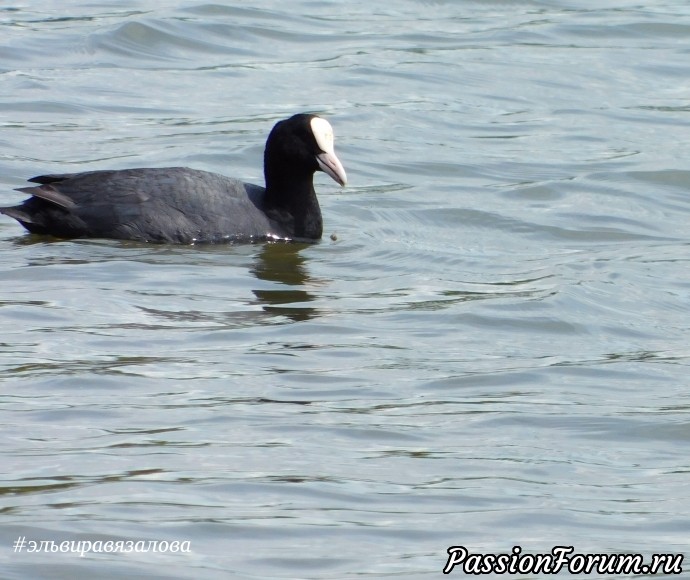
(299, 146)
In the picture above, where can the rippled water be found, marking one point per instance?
(493, 352)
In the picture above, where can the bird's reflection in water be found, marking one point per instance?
(283, 264)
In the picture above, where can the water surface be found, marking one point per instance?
(492, 352)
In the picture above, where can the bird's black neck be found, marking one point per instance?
(291, 200)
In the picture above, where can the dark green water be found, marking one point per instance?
(493, 352)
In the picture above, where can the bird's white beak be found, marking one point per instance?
(328, 161)
(331, 165)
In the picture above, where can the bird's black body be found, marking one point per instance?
(171, 204)
(182, 205)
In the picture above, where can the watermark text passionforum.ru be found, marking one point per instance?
(561, 558)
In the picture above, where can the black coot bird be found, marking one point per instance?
(186, 206)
